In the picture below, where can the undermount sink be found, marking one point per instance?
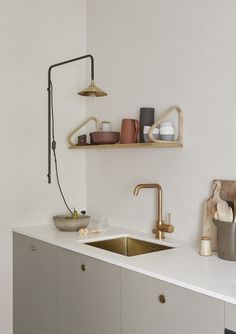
(128, 246)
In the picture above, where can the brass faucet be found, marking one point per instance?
(161, 227)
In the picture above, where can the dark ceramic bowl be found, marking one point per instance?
(105, 137)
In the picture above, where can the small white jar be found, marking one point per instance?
(167, 131)
(106, 126)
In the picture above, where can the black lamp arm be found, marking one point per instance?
(49, 103)
(71, 61)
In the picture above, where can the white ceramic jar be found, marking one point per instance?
(146, 129)
(106, 126)
(167, 131)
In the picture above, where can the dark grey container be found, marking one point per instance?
(146, 118)
(226, 240)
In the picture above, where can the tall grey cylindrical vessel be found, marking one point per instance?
(226, 240)
(146, 118)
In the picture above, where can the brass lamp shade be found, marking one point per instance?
(92, 90)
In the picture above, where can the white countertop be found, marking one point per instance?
(182, 266)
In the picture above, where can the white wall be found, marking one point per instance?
(34, 35)
(159, 53)
(147, 53)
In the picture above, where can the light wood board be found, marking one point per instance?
(222, 189)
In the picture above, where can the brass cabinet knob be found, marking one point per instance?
(83, 267)
(162, 299)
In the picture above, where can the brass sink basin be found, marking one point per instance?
(128, 246)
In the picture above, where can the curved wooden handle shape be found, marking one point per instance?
(163, 117)
(69, 138)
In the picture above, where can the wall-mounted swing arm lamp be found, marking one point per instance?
(91, 91)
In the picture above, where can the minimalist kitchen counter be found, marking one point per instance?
(181, 265)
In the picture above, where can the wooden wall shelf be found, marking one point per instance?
(160, 144)
(153, 144)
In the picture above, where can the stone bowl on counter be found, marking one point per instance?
(65, 223)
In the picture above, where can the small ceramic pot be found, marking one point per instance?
(167, 131)
(106, 126)
(145, 134)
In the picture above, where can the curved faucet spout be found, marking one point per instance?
(146, 185)
(160, 224)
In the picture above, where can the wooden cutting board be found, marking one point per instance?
(228, 190)
(222, 189)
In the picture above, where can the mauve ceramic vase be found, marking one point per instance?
(129, 131)
(146, 118)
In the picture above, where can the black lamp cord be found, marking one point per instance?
(54, 149)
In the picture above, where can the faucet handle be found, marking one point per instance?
(167, 228)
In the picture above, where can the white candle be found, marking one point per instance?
(205, 247)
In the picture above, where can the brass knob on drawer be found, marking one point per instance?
(162, 299)
(83, 267)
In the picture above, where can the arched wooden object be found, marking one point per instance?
(69, 138)
(179, 139)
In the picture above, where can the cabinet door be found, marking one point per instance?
(88, 295)
(230, 316)
(70, 296)
(34, 286)
(181, 311)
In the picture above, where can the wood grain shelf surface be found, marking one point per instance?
(161, 144)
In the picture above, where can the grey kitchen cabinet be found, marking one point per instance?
(34, 265)
(230, 316)
(57, 291)
(88, 295)
(149, 305)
